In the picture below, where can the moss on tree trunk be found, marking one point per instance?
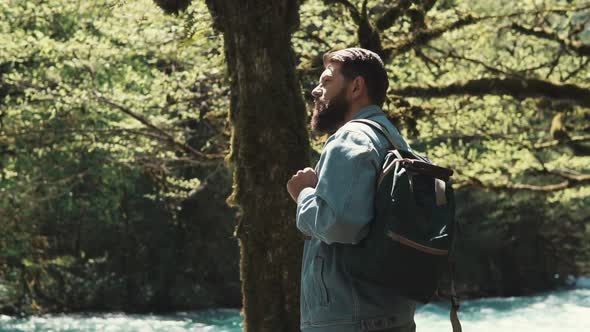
(269, 143)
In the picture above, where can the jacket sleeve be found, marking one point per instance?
(341, 206)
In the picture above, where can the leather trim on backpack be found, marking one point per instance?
(390, 167)
(416, 245)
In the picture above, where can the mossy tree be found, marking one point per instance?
(269, 143)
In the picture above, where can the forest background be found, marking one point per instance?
(137, 139)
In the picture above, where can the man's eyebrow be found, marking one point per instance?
(323, 78)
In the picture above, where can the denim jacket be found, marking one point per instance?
(337, 215)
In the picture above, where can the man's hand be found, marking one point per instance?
(303, 179)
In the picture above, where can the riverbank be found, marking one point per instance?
(563, 310)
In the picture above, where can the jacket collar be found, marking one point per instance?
(367, 112)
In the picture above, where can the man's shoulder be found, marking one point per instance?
(352, 142)
(364, 133)
(377, 138)
(351, 133)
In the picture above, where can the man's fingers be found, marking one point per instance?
(300, 172)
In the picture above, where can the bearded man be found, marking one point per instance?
(335, 202)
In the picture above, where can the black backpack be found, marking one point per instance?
(410, 241)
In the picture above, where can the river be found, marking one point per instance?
(563, 311)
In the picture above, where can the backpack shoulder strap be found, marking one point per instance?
(380, 128)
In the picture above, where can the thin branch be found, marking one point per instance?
(573, 45)
(465, 138)
(555, 63)
(354, 12)
(422, 37)
(319, 40)
(536, 67)
(560, 10)
(391, 15)
(580, 180)
(519, 88)
(69, 131)
(571, 179)
(553, 143)
(428, 61)
(148, 124)
(454, 55)
(570, 175)
(577, 70)
(35, 183)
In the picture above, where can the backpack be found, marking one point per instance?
(409, 243)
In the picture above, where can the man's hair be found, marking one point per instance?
(362, 62)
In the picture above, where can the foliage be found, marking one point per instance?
(484, 88)
(111, 124)
(113, 131)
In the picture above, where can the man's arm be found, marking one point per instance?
(341, 206)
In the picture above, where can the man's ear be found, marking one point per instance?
(358, 86)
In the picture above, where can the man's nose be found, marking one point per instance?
(317, 92)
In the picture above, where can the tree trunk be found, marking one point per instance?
(269, 143)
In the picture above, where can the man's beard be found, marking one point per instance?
(327, 119)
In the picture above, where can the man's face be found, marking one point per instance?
(331, 101)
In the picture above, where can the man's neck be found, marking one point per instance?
(354, 109)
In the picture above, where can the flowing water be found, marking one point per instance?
(558, 311)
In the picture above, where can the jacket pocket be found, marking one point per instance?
(318, 280)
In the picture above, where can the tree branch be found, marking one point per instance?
(573, 45)
(148, 124)
(386, 20)
(570, 175)
(553, 143)
(422, 37)
(454, 55)
(519, 88)
(510, 187)
(354, 12)
(571, 179)
(577, 70)
(426, 35)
